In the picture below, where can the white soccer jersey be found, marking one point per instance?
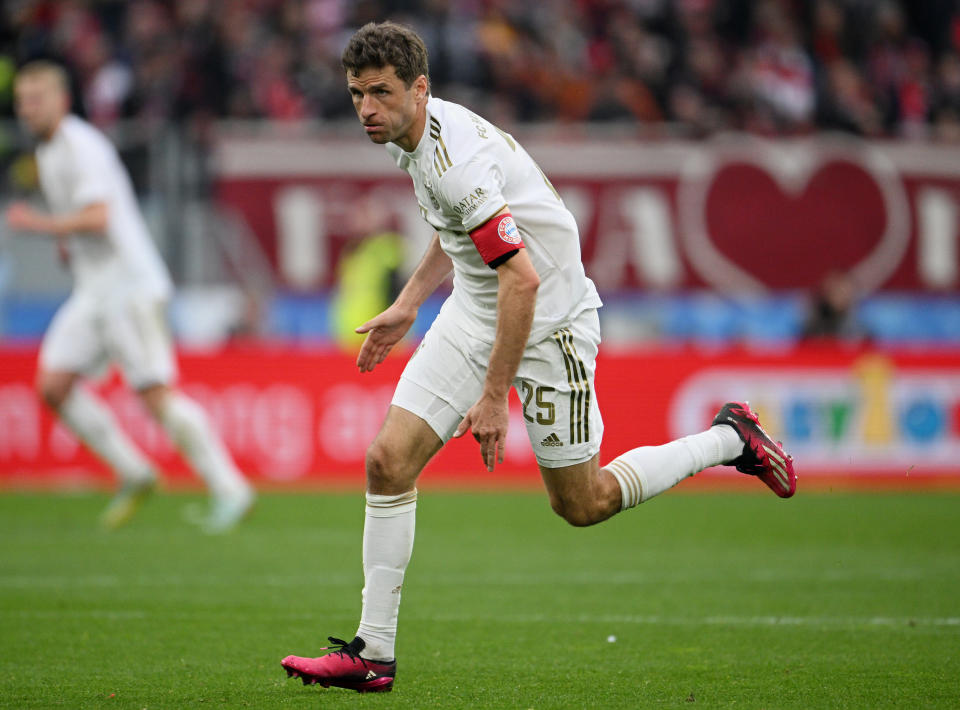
(464, 171)
(78, 166)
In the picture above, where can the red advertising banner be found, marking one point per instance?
(300, 417)
(725, 214)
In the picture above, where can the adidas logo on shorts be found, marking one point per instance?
(552, 440)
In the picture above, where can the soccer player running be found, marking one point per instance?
(522, 313)
(117, 310)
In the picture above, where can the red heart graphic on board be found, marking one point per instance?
(790, 240)
(764, 216)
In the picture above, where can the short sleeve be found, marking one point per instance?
(473, 191)
(92, 166)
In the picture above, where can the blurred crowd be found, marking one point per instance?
(693, 67)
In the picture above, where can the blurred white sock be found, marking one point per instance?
(189, 427)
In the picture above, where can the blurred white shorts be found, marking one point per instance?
(554, 382)
(89, 334)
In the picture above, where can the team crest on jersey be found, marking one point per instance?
(507, 229)
(469, 204)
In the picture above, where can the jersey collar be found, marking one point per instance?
(425, 139)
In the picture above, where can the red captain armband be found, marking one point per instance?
(497, 238)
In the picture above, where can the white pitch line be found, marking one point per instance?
(197, 581)
(593, 578)
(828, 623)
(100, 614)
(820, 622)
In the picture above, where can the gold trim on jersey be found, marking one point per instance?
(441, 158)
(549, 184)
(492, 215)
(441, 161)
(507, 138)
(579, 387)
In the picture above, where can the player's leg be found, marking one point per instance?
(138, 339)
(73, 346)
(584, 493)
(189, 427)
(93, 423)
(401, 449)
(437, 387)
(555, 383)
(394, 460)
(735, 439)
(648, 471)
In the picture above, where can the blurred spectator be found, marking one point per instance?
(779, 72)
(846, 104)
(109, 81)
(832, 311)
(368, 278)
(886, 68)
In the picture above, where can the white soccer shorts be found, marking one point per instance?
(89, 334)
(554, 382)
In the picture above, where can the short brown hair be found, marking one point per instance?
(387, 43)
(45, 67)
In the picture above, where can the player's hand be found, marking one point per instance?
(383, 332)
(488, 419)
(21, 217)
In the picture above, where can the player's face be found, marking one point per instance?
(41, 102)
(386, 107)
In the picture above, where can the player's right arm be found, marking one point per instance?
(385, 330)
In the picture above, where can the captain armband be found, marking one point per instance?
(497, 239)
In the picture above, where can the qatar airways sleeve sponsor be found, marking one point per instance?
(472, 191)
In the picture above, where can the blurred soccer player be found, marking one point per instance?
(117, 311)
(522, 314)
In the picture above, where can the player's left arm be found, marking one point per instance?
(89, 219)
(517, 288)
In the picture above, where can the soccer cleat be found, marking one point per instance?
(226, 512)
(343, 668)
(762, 456)
(126, 502)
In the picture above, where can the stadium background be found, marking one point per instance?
(768, 196)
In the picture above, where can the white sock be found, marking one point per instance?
(650, 470)
(91, 420)
(189, 427)
(387, 546)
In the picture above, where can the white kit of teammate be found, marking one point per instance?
(116, 313)
(120, 282)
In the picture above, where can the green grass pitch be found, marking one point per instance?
(716, 601)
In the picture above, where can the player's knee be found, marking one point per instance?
(53, 391)
(385, 470)
(581, 516)
(156, 398)
(578, 513)
(578, 517)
